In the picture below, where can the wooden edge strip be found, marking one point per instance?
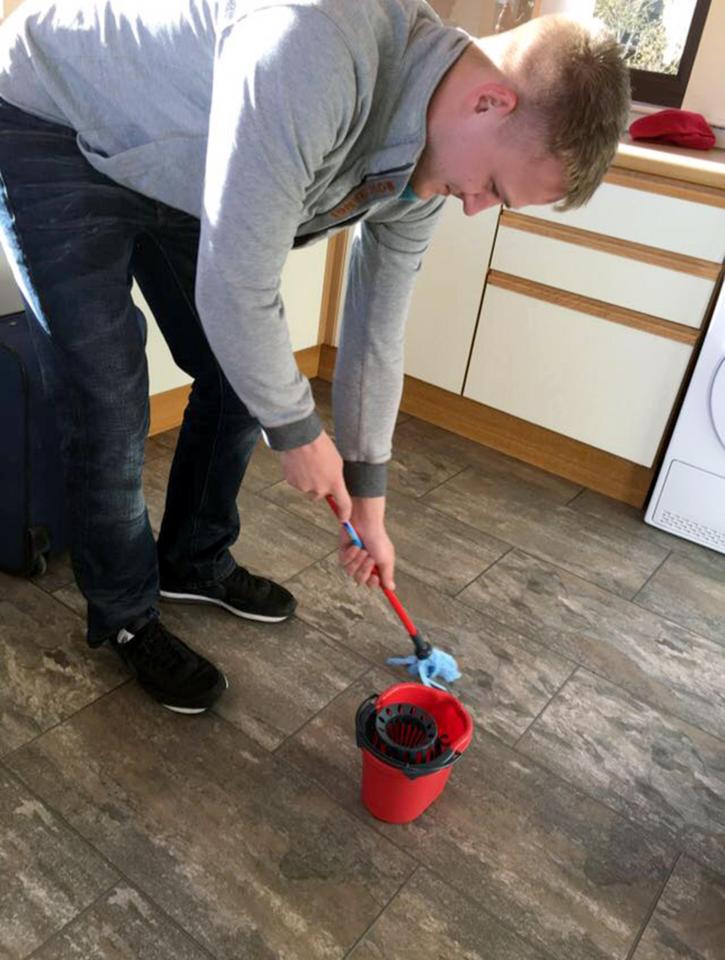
(614, 245)
(669, 187)
(328, 355)
(308, 361)
(576, 461)
(332, 287)
(669, 163)
(167, 408)
(597, 308)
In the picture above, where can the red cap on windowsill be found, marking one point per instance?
(681, 127)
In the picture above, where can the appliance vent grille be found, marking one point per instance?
(691, 530)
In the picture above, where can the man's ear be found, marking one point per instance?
(494, 96)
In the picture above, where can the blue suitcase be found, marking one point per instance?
(33, 522)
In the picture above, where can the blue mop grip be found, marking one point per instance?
(428, 662)
(422, 648)
(353, 534)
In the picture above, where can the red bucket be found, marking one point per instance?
(410, 736)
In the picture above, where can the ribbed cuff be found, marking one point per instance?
(365, 479)
(292, 435)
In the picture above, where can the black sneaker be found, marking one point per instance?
(243, 594)
(169, 670)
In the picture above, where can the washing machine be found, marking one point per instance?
(688, 498)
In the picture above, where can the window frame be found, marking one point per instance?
(668, 90)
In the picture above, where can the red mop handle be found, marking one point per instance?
(390, 594)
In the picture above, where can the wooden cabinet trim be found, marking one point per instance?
(607, 244)
(638, 180)
(597, 308)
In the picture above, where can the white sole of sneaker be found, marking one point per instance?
(192, 709)
(195, 598)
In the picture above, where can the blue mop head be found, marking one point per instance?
(437, 664)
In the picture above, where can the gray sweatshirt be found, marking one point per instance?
(276, 123)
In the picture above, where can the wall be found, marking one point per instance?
(706, 89)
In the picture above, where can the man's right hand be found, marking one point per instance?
(316, 469)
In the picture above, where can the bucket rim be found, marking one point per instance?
(412, 771)
(391, 693)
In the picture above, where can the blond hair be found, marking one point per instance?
(574, 91)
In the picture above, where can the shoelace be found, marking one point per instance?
(160, 650)
(246, 585)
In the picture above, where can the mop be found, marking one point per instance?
(427, 662)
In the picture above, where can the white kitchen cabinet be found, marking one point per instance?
(447, 296)
(659, 291)
(302, 281)
(605, 384)
(301, 288)
(669, 223)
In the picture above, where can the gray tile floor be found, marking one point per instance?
(586, 821)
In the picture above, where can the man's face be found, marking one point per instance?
(479, 161)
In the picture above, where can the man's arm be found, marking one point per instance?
(385, 259)
(275, 115)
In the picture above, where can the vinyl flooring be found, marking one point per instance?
(585, 822)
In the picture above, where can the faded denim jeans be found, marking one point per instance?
(77, 239)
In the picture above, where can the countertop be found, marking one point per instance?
(703, 167)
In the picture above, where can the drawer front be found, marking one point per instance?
(644, 287)
(602, 383)
(447, 296)
(682, 226)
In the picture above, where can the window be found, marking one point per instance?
(660, 39)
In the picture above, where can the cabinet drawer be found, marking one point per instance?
(682, 226)
(644, 287)
(602, 383)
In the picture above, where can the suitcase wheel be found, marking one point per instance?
(39, 548)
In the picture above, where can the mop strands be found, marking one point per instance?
(427, 662)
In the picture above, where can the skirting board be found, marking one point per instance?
(167, 408)
(568, 458)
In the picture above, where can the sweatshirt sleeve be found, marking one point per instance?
(284, 92)
(386, 256)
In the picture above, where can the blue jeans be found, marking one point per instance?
(77, 239)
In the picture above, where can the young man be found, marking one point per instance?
(190, 144)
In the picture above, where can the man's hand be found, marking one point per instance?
(368, 519)
(316, 469)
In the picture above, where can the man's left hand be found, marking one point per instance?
(368, 519)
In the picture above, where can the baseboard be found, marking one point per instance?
(568, 458)
(167, 408)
